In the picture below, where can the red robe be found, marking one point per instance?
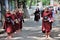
(46, 25)
(20, 17)
(8, 25)
(13, 19)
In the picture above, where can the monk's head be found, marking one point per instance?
(20, 10)
(7, 11)
(13, 12)
(51, 9)
(37, 9)
(17, 10)
(46, 9)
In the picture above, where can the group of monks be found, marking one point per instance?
(13, 21)
(47, 20)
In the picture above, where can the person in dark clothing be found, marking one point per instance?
(37, 15)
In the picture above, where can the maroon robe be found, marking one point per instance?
(46, 25)
(8, 25)
(16, 25)
(21, 20)
(14, 22)
(20, 17)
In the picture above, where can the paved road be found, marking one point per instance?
(32, 31)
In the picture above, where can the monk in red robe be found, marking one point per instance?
(46, 22)
(17, 20)
(8, 24)
(21, 18)
(14, 20)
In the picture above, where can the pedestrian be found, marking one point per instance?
(8, 24)
(14, 20)
(46, 22)
(37, 15)
(17, 25)
(21, 18)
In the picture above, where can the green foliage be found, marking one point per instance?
(46, 2)
(33, 2)
(28, 2)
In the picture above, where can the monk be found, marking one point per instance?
(14, 21)
(17, 20)
(46, 21)
(8, 24)
(20, 18)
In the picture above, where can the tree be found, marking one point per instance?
(46, 2)
(16, 4)
(30, 3)
(23, 4)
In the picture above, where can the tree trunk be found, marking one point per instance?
(26, 14)
(30, 4)
(23, 6)
(16, 6)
